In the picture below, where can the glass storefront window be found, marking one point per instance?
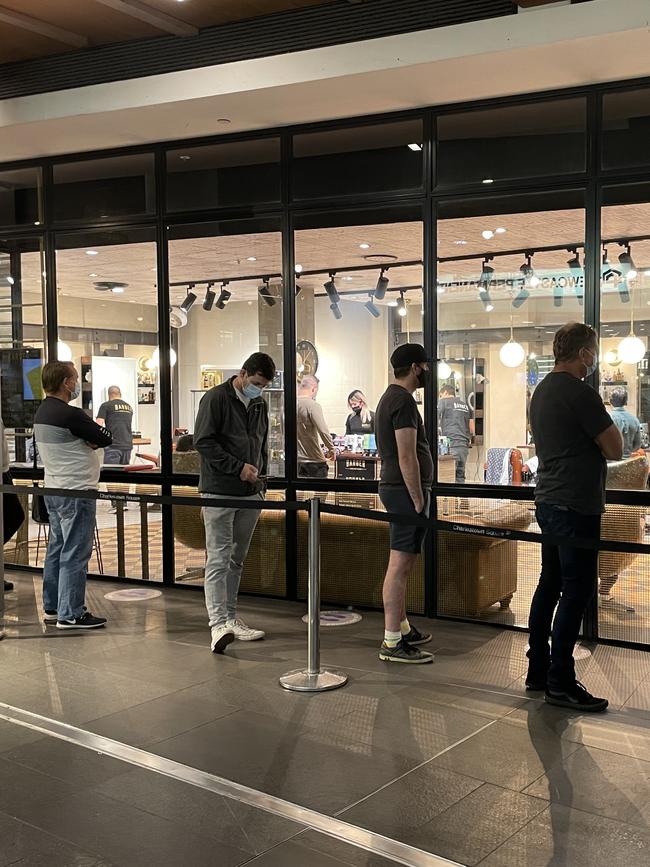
(358, 296)
(21, 199)
(626, 122)
(108, 324)
(226, 294)
(103, 189)
(225, 174)
(625, 320)
(510, 273)
(358, 160)
(511, 142)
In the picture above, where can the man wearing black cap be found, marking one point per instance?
(404, 488)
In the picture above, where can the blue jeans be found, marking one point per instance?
(114, 455)
(72, 525)
(567, 583)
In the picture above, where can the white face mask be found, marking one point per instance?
(591, 368)
(76, 391)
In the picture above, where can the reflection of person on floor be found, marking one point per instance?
(574, 435)
(405, 487)
(312, 429)
(70, 445)
(230, 436)
(361, 420)
(116, 415)
(627, 423)
(455, 422)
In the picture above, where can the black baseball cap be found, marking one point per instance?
(407, 354)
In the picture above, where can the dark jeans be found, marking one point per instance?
(313, 469)
(113, 455)
(567, 583)
(460, 454)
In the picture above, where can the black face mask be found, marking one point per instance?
(356, 410)
(422, 377)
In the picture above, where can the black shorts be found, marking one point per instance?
(404, 537)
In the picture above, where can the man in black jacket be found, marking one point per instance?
(230, 435)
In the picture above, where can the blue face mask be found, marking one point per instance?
(591, 368)
(75, 392)
(251, 391)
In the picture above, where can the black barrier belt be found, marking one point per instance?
(489, 532)
(163, 499)
(352, 512)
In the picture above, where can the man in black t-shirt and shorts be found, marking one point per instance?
(404, 488)
(574, 437)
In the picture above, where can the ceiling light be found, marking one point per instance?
(190, 298)
(444, 371)
(251, 259)
(512, 353)
(473, 325)
(265, 293)
(298, 269)
(372, 308)
(155, 358)
(401, 306)
(415, 147)
(336, 310)
(348, 278)
(92, 275)
(487, 234)
(140, 318)
(63, 351)
(487, 273)
(210, 295)
(382, 286)
(330, 288)
(460, 243)
(184, 157)
(500, 230)
(631, 349)
(488, 180)
(91, 252)
(224, 296)
(364, 246)
(10, 280)
(575, 268)
(118, 290)
(627, 263)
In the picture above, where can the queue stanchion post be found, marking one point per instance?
(313, 678)
(2, 562)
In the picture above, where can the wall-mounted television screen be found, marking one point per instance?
(22, 390)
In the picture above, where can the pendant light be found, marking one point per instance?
(512, 353)
(444, 371)
(631, 350)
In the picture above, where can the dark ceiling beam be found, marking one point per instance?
(42, 28)
(136, 9)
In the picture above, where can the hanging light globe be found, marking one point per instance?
(512, 354)
(63, 351)
(631, 349)
(444, 371)
(155, 358)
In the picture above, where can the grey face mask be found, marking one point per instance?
(591, 368)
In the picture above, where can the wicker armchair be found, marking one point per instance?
(621, 523)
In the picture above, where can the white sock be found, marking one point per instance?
(405, 626)
(391, 639)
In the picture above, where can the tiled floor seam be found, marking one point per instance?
(400, 853)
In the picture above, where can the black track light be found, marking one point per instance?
(558, 294)
(623, 291)
(627, 263)
(336, 310)
(528, 272)
(575, 267)
(521, 297)
(224, 296)
(210, 295)
(487, 272)
(330, 288)
(265, 293)
(484, 295)
(189, 299)
(382, 286)
(401, 306)
(371, 307)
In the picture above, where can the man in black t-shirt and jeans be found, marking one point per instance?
(405, 488)
(574, 437)
(116, 415)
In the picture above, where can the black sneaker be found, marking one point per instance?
(576, 697)
(86, 621)
(414, 636)
(536, 680)
(404, 652)
(50, 616)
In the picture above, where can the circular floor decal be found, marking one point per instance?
(336, 618)
(135, 593)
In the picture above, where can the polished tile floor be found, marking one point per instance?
(452, 758)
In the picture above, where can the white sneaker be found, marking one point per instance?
(611, 603)
(222, 636)
(243, 632)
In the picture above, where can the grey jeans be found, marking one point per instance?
(228, 534)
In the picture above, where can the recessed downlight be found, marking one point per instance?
(415, 147)
(251, 258)
(488, 180)
(91, 252)
(364, 246)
